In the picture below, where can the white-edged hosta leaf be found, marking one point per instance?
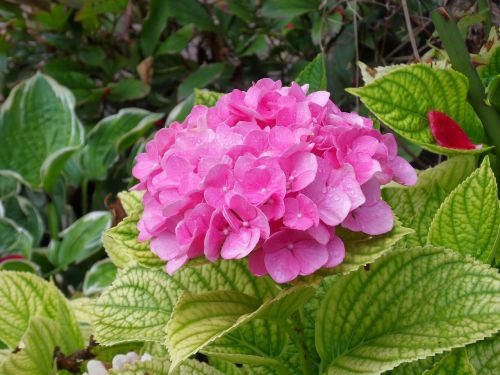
(100, 276)
(122, 245)
(485, 356)
(24, 296)
(402, 98)
(206, 97)
(25, 214)
(131, 201)
(9, 186)
(468, 221)
(199, 319)
(14, 239)
(314, 74)
(362, 249)
(37, 356)
(456, 362)
(412, 303)
(112, 135)
(40, 113)
(81, 239)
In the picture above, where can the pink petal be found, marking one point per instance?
(321, 233)
(336, 252)
(256, 262)
(403, 171)
(282, 265)
(174, 264)
(311, 256)
(239, 244)
(300, 213)
(334, 207)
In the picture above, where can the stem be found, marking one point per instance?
(460, 60)
(484, 9)
(413, 43)
(53, 220)
(296, 332)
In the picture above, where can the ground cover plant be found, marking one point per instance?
(188, 188)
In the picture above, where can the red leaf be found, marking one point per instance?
(10, 257)
(447, 132)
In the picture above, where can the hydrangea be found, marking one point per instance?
(267, 175)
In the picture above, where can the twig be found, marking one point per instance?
(410, 30)
(73, 362)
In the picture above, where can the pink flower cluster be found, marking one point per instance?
(267, 175)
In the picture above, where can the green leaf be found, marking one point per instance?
(411, 304)
(362, 249)
(137, 306)
(456, 363)
(181, 110)
(23, 297)
(191, 11)
(176, 41)
(36, 358)
(128, 90)
(199, 79)
(38, 112)
(402, 98)
(415, 367)
(81, 239)
(493, 92)
(492, 68)
(110, 136)
(161, 367)
(92, 55)
(14, 239)
(468, 221)
(314, 74)
(122, 245)
(153, 25)
(288, 8)
(205, 97)
(485, 356)
(19, 265)
(100, 276)
(9, 186)
(24, 214)
(131, 201)
(199, 319)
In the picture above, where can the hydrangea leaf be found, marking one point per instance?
(415, 367)
(411, 304)
(370, 74)
(199, 319)
(137, 306)
(314, 74)
(485, 356)
(39, 112)
(161, 367)
(81, 239)
(25, 214)
(402, 98)
(492, 68)
(455, 362)
(468, 221)
(205, 97)
(112, 135)
(122, 245)
(24, 296)
(131, 201)
(36, 358)
(362, 249)
(493, 92)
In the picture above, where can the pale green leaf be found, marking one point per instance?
(205, 97)
(13, 238)
(485, 356)
(370, 74)
(199, 319)
(161, 367)
(122, 245)
(468, 221)
(415, 367)
(81, 239)
(131, 201)
(362, 249)
(36, 358)
(455, 362)
(492, 67)
(24, 296)
(411, 304)
(314, 74)
(25, 215)
(110, 136)
(402, 98)
(40, 113)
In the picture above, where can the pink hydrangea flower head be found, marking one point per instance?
(266, 175)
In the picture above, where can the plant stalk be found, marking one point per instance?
(460, 60)
(53, 220)
(85, 200)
